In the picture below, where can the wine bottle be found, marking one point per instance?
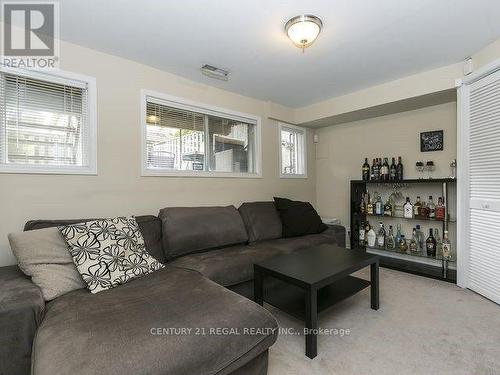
(399, 170)
(392, 170)
(365, 170)
(385, 168)
(376, 171)
(372, 175)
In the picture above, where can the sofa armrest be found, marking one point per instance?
(338, 232)
(21, 311)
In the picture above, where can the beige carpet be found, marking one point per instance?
(423, 326)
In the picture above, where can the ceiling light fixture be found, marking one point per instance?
(303, 30)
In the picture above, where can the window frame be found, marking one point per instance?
(303, 156)
(206, 109)
(68, 78)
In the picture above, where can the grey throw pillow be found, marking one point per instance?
(109, 252)
(43, 255)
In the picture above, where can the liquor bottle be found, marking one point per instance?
(362, 205)
(398, 234)
(440, 209)
(379, 207)
(361, 235)
(446, 246)
(371, 238)
(423, 211)
(419, 236)
(392, 170)
(430, 245)
(431, 208)
(372, 174)
(416, 207)
(390, 243)
(403, 246)
(439, 244)
(408, 209)
(369, 206)
(381, 236)
(365, 170)
(388, 208)
(385, 170)
(376, 171)
(367, 229)
(413, 242)
(399, 170)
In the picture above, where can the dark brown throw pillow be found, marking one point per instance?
(298, 218)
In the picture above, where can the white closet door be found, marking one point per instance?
(484, 186)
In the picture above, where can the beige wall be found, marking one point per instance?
(118, 189)
(342, 148)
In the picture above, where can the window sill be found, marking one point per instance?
(4, 169)
(166, 173)
(303, 176)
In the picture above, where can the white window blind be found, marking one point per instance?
(292, 151)
(44, 125)
(181, 139)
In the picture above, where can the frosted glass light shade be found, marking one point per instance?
(303, 30)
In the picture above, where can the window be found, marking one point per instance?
(45, 124)
(187, 139)
(292, 151)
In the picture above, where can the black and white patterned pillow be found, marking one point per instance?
(109, 252)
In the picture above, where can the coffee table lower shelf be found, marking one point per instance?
(291, 298)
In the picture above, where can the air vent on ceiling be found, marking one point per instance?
(214, 72)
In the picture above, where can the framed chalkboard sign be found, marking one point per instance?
(431, 141)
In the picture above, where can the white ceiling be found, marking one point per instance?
(363, 42)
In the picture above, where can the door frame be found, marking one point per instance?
(463, 179)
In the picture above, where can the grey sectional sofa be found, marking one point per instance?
(136, 328)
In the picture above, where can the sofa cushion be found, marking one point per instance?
(129, 330)
(109, 252)
(233, 265)
(289, 245)
(43, 255)
(192, 229)
(298, 218)
(227, 266)
(149, 225)
(262, 220)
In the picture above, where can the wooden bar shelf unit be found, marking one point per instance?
(416, 264)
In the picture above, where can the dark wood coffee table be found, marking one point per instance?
(313, 279)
